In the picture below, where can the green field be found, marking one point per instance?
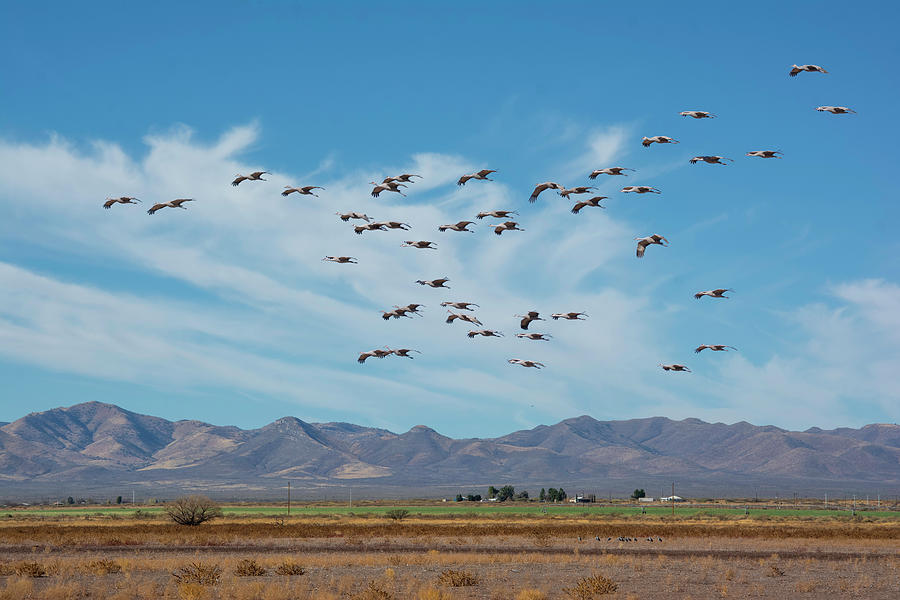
(467, 508)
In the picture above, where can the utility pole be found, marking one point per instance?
(132, 496)
(289, 497)
(673, 498)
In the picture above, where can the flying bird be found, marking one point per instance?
(795, 69)
(170, 204)
(306, 190)
(254, 176)
(712, 160)
(713, 347)
(609, 171)
(549, 185)
(422, 244)
(394, 225)
(482, 174)
(412, 308)
(341, 259)
(717, 293)
(369, 227)
(697, 114)
(649, 240)
(463, 317)
(765, 153)
(675, 367)
(484, 333)
(398, 312)
(508, 226)
(659, 139)
(402, 352)
(497, 214)
(353, 215)
(641, 189)
(583, 189)
(528, 318)
(543, 337)
(836, 110)
(595, 202)
(459, 305)
(526, 363)
(460, 226)
(405, 178)
(377, 353)
(569, 316)
(388, 186)
(435, 283)
(123, 200)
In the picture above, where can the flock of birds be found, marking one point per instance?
(395, 183)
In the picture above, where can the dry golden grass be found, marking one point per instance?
(591, 586)
(249, 568)
(455, 578)
(198, 573)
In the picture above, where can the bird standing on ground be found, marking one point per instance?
(649, 240)
(697, 114)
(595, 202)
(713, 347)
(716, 293)
(435, 283)
(254, 176)
(306, 190)
(123, 200)
(508, 226)
(609, 171)
(482, 174)
(170, 204)
(459, 226)
(796, 69)
(549, 185)
(658, 139)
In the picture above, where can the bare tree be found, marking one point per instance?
(193, 510)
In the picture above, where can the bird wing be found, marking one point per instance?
(289, 190)
(485, 172)
(641, 246)
(463, 179)
(238, 179)
(109, 202)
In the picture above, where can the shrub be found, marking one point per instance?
(30, 569)
(588, 587)
(249, 568)
(774, 571)
(193, 510)
(397, 514)
(199, 573)
(374, 591)
(102, 566)
(457, 578)
(288, 568)
(531, 594)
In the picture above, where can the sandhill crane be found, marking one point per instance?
(543, 337)
(394, 225)
(526, 363)
(398, 312)
(609, 171)
(405, 178)
(527, 318)
(388, 186)
(402, 352)
(421, 244)
(795, 69)
(354, 215)
(836, 110)
(497, 214)
(463, 317)
(377, 353)
(459, 305)
(435, 283)
(675, 367)
(717, 293)
(412, 308)
(647, 241)
(341, 259)
(659, 139)
(641, 189)
(482, 174)
(254, 176)
(713, 347)
(306, 190)
(569, 316)
(123, 200)
(595, 202)
(484, 333)
(711, 160)
(697, 114)
(170, 204)
(765, 153)
(582, 189)
(369, 227)
(548, 185)
(460, 226)
(508, 226)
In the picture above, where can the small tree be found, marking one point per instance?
(507, 492)
(523, 495)
(397, 514)
(492, 492)
(543, 495)
(70, 500)
(638, 493)
(118, 499)
(459, 498)
(561, 494)
(553, 495)
(193, 510)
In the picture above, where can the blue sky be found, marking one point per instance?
(225, 312)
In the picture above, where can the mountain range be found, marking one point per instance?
(97, 446)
